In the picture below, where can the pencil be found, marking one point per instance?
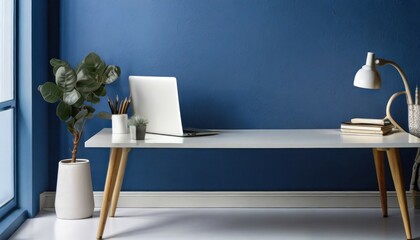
(110, 105)
(120, 108)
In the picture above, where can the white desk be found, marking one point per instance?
(120, 145)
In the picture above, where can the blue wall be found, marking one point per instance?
(246, 64)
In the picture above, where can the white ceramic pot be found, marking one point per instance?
(119, 123)
(74, 195)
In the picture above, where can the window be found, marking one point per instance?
(7, 106)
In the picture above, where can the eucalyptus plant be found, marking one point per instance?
(76, 90)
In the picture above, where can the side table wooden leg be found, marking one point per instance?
(118, 182)
(378, 156)
(113, 166)
(396, 171)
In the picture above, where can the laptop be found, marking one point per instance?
(156, 99)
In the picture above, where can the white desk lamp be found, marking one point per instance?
(368, 77)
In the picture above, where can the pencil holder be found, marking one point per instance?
(414, 119)
(119, 124)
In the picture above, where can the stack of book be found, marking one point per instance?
(367, 126)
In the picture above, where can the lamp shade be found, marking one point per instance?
(368, 76)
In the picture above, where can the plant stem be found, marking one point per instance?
(76, 139)
(75, 144)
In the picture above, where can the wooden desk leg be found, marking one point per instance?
(378, 156)
(113, 165)
(114, 174)
(396, 171)
(118, 182)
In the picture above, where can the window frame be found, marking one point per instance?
(11, 104)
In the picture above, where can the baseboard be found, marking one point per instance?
(416, 199)
(362, 199)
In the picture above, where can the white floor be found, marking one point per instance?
(226, 223)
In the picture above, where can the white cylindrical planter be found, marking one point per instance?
(74, 195)
(119, 123)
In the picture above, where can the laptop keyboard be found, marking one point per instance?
(192, 130)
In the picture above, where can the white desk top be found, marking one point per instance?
(258, 138)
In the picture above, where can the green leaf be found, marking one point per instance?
(66, 79)
(79, 66)
(79, 102)
(93, 98)
(57, 63)
(105, 115)
(63, 111)
(88, 85)
(81, 114)
(93, 63)
(72, 97)
(83, 74)
(111, 73)
(90, 109)
(101, 91)
(50, 92)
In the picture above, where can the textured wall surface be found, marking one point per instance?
(245, 64)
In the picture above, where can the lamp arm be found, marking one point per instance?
(381, 62)
(388, 110)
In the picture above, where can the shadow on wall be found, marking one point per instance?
(55, 142)
(213, 113)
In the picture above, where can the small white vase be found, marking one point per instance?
(74, 195)
(119, 123)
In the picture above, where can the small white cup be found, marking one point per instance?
(119, 124)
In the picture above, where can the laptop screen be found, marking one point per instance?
(156, 99)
